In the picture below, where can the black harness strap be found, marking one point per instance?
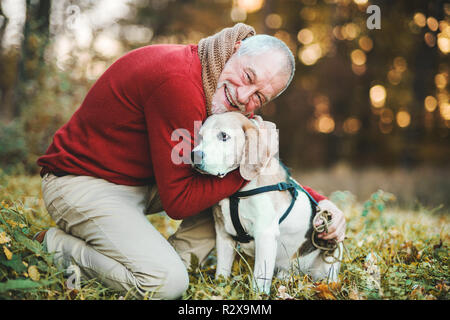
(241, 235)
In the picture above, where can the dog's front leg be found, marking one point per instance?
(225, 254)
(224, 247)
(265, 256)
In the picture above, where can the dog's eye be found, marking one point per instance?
(223, 136)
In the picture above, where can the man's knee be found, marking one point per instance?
(177, 282)
(168, 284)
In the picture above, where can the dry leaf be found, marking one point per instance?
(33, 272)
(324, 292)
(417, 290)
(282, 294)
(354, 294)
(4, 238)
(8, 253)
(11, 223)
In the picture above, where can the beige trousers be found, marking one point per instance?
(102, 228)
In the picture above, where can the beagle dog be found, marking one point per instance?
(272, 226)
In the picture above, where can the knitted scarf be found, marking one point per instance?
(214, 52)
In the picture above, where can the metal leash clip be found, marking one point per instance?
(321, 222)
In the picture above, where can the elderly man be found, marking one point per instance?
(111, 163)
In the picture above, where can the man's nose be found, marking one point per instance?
(244, 93)
(197, 156)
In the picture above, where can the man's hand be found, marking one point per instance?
(337, 229)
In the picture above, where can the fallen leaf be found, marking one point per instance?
(73, 294)
(8, 253)
(4, 238)
(282, 294)
(354, 294)
(33, 272)
(324, 292)
(417, 291)
(11, 223)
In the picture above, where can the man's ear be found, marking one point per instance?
(261, 144)
(236, 46)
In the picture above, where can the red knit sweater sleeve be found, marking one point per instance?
(317, 196)
(176, 105)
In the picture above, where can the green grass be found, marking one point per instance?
(391, 254)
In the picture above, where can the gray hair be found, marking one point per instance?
(262, 43)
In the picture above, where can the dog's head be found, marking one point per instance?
(230, 140)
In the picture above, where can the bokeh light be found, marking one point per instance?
(310, 54)
(430, 103)
(400, 64)
(274, 21)
(440, 80)
(358, 57)
(238, 14)
(430, 39)
(444, 109)
(365, 43)
(394, 77)
(325, 124)
(250, 5)
(386, 116)
(305, 36)
(432, 23)
(420, 19)
(377, 96)
(351, 125)
(403, 118)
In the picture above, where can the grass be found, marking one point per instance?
(392, 254)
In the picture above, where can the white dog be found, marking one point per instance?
(229, 141)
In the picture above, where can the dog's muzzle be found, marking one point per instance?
(197, 162)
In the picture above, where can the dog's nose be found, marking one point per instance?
(197, 156)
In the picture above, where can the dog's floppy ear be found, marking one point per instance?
(261, 144)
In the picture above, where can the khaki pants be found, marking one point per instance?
(102, 228)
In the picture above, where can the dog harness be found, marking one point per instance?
(241, 235)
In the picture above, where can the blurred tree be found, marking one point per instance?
(365, 97)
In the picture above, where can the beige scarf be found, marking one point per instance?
(214, 52)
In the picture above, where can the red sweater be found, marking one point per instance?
(122, 130)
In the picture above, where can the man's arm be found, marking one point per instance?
(183, 191)
(177, 104)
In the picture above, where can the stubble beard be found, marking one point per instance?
(217, 108)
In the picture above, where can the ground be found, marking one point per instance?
(392, 253)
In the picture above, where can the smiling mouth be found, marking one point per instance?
(228, 97)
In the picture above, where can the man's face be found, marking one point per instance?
(248, 82)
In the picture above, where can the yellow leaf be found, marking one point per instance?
(33, 272)
(11, 223)
(4, 238)
(324, 292)
(8, 253)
